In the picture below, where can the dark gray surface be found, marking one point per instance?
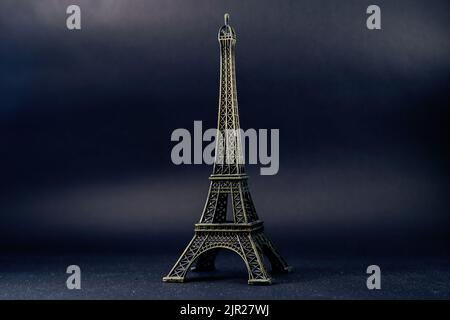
(139, 277)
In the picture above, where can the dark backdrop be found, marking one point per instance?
(86, 118)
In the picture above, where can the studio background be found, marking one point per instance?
(86, 118)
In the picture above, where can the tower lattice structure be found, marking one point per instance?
(244, 235)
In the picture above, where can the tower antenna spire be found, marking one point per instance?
(226, 18)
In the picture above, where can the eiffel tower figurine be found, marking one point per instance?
(244, 235)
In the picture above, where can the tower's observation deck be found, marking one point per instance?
(227, 31)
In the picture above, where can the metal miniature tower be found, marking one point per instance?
(244, 235)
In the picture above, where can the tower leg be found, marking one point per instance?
(253, 258)
(181, 267)
(279, 265)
